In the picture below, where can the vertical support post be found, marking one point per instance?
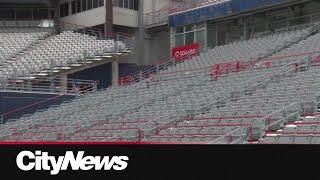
(172, 40)
(57, 24)
(109, 17)
(115, 45)
(64, 84)
(141, 52)
(115, 71)
(115, 63)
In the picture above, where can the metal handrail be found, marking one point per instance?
(217, 140)
(47, 84)
(197, 4)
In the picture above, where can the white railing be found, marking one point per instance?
(128, 39)
(50, 85)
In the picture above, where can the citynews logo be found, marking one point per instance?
(42, 161)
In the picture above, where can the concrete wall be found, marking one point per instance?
(89, 18)
(159, 4)
(125, 17)
(156, 42)
(155, 5)
(93, 17)
(158, 48)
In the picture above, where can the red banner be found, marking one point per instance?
(185, 52)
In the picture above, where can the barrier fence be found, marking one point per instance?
(50, 85)
(128, 39)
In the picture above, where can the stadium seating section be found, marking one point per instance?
(69, 49)
(261, 90)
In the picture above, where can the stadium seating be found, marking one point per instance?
(184, 104)
(65, 50)
(13, 43)
(251, 49)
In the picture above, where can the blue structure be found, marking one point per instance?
(27, 103)
(100, 73)
(218, 10)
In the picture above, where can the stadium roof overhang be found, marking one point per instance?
(223, 9)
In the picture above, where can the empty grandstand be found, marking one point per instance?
(246, 74)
